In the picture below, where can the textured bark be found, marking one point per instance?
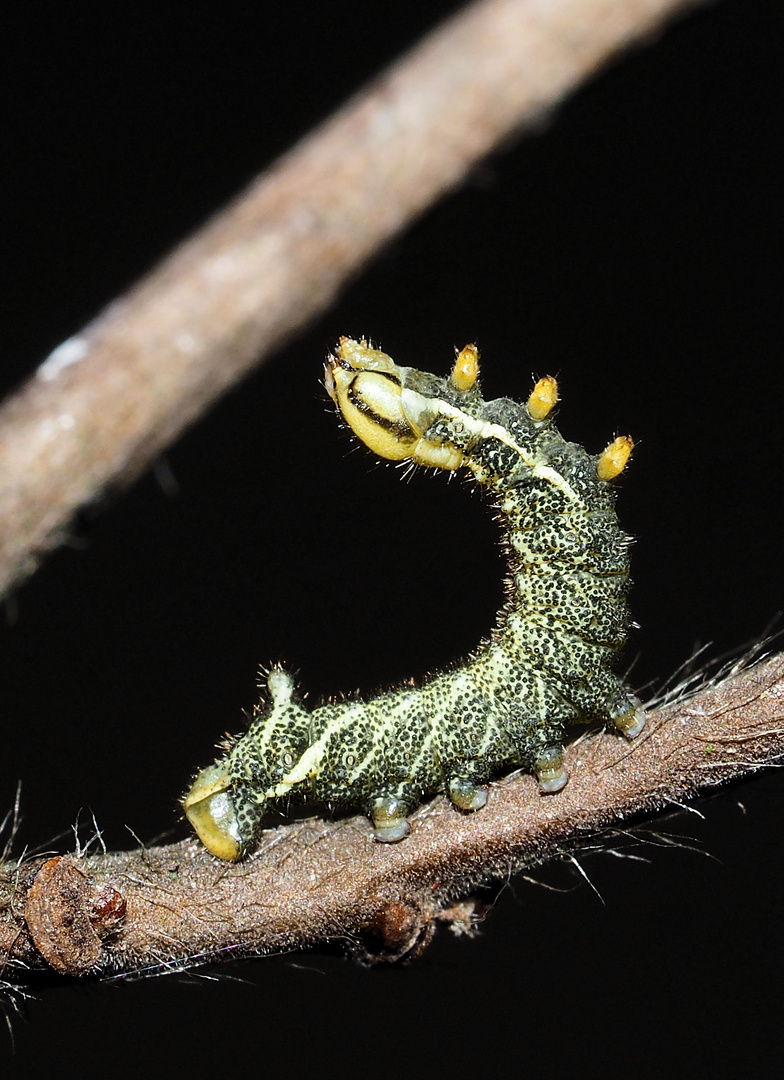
(111, 398)
(319, 881)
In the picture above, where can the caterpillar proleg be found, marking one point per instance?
(547, 663)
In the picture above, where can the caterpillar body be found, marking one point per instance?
(547, 663)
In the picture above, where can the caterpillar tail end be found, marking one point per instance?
(210, 810)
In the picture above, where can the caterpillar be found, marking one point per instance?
(547, 663)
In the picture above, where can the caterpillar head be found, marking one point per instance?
(390, 416)
(210, 809)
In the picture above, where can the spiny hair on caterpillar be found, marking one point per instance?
(547, 663)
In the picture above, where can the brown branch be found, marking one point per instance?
(109, 399)
(317, 881)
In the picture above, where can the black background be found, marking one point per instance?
(632, 246)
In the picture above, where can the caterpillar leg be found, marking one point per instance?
(550, 770)
(629, 717)
(389, 819)
(466, 795)
(606, 698)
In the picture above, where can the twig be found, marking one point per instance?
(316, 880)
(108, 400)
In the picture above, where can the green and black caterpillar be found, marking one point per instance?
(547, 663)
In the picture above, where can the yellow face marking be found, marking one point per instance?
(613, 460)
(367, 387)
(466, 369)
(543, 397)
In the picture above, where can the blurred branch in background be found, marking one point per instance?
(110, 399)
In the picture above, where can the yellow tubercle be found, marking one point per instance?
(543, 398)
(614, 459)
(466, 370)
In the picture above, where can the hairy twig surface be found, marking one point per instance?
(108, 400)
(321, 881)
